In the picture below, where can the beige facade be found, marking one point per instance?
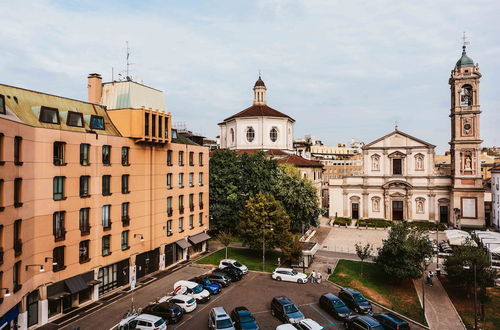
(84, 196)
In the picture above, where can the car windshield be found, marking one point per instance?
(290, 309)
(338, 303)
(237, 264)
(224, 324)
(159, 322)
(359, 298)
(197, 289)
(294, 272)
(190, 301)
(206, 282)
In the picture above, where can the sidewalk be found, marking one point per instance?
(439, 310)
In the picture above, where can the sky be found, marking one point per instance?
(342, 69)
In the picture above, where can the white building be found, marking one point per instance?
(495, 196)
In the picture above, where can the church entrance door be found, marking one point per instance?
(443, 213)
(355, 211)
(397, 210)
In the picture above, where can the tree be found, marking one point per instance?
(292, 252)
(225, 238)
(363, 252)
(403, 252)
(264, 215)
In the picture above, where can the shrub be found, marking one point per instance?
(372, 222)
(341, 221)
(427, 225)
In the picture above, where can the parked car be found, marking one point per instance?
(220, 278)
(391, 321)
(288, 274)
(142, 322)
(308, 324)
(233, 273)
(286, 326)
(168, 311)
(243, 319)
(363, 322)
(192, 289)
(233, 263)
(285, 310)
(219, 319)
(355, 301)
(334, 306)
(212, 287)
(187, 303)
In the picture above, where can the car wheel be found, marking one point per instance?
(299, 281)
(278, 278)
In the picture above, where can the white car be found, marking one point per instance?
(233, 263)
(142, 322)
(286, 326)
(308, 324)
(288, 274)
(192, 289)
(187, 303)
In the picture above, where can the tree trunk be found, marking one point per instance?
(361, 267)
(226, 251)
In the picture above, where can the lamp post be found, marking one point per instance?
(466, 266)
(425, 264)
(264, 245)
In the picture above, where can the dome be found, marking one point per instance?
(464, 60)
(259, 83)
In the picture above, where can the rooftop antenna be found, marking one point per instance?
(129, 78)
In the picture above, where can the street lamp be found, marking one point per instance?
(425, 264)
(264, 245)
(139, 235)
(36, 265)
(54, 262)
(466, 266)
(7, 292)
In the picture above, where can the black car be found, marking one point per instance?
(391, 322)
(234, 273)
(363, 322)
(334, 306)
(285, 310)
(220, 278)
(355, 301)
(168, 311)
(243, 319)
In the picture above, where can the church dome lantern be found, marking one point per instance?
(464, 60)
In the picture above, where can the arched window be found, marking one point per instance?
(466, 95)
(419, 162)
(375, 162)
(273, 134)
(250, 134)
(232, 135)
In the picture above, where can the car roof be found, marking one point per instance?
(286, 326)
(240, 309)
(189, 284)
(313, 324)
(148, 317)
(219, 311)
(349, 290)
(368, 319)
(394, 318)
(331, 296)
(229, 260)
(284, 269)
(283, 300)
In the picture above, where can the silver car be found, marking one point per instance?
(218, 318)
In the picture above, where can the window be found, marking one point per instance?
(200, 179)
(2, 161)
(153, 125)
(200, 159)
(181, 158)
(2, 105)
(74, 119)
(18, 245)
(125, 184)
(125, 245)
(466, 95)
(181, 204)
(125, 216)
(96, 122)
(84, 186)
(16, 276)
(18, 189)
(200, 200)
(181, 224)
(106, 222)
(160, 128)
(169, 228)
(59, 153)
(232, 135)
(58, 255)
(273, 134)
(181, 180)
(18, 149)
(191, 179)
(200, 219)
(191, 220)
(84, 154)
(85, 221)
(169, 181)
(146, 124)
(169, 206)
(125, 153)
(106, 155)
(1, 196)
(106, 185)
(397, 166)
(191, 158)
(250, 134)
(84, 251)
(169, 158)
(58, 225)
(191, 202)
(49, 115)
(106, 245)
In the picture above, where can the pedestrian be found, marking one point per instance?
(318, 275)
(313, 277)
(427, 278)
(430, 278)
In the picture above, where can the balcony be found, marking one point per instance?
(18, 247)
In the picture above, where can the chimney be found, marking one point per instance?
(94, 88)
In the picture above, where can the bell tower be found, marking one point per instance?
(467, 193)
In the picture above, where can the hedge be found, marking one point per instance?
(342, 221)
(427, 225)
(372, 222)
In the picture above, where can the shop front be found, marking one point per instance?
(198, 243)
(147, 262)
(182, 249)
(173, 254)
(113, 276)
(9, 319)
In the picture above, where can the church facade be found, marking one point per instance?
(399, 179)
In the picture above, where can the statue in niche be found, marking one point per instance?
(468, 162)
(376, 205)
(375, 165)
(420, 163)
(420, 206)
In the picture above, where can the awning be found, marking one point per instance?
(10, 315)
(183, 243)
(58, 296)
(76, 284)
(198, 238)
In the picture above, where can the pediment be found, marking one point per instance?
(398, 139)
(396, 154)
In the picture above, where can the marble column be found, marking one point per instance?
(345, 208)
(365, 205)
(432, 206)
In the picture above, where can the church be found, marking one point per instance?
(399, 180)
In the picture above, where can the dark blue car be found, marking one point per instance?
(243, 319)
(212, 287)
(391, 322)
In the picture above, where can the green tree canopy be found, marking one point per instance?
(403, 252)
